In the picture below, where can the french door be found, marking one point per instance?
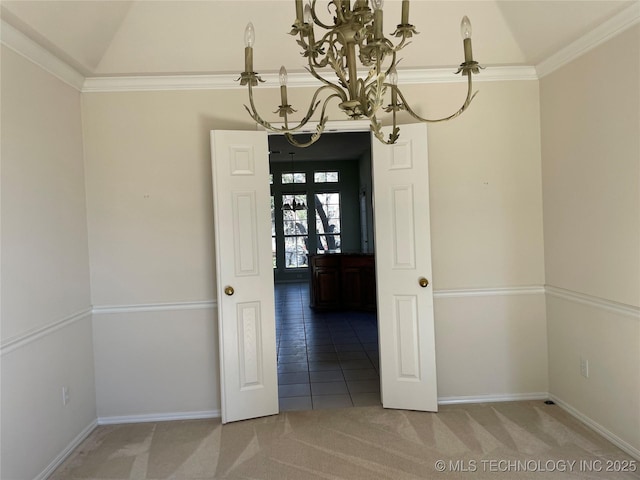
(244, 273)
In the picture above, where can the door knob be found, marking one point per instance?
(423, 282)
(229, 290)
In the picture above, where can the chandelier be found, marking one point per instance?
(356, 34)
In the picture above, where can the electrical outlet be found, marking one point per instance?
(584, 367)
(65, 396)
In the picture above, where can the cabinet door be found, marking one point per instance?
(327, 282)
(351, 286)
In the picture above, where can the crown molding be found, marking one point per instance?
(17, 41)
(154, 83)
(295, 80)
(625, 19)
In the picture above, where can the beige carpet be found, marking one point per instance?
(515, 440)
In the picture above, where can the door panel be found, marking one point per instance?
(403, 256)
(246, 318)
(246, 314)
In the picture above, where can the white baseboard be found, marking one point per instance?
(613, 438)
(510, 397)
(62, 456)
(158, 417)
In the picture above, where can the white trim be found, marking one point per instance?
(488, 292)
(422, 76)
(154, 307)
(152, 83)
(159, 417)
(331, 126)
(612, 437)
(507, 397)
(453, 293)
(24, 46)
(447, 75)
(627, 18)
(62, 456)
(615, 307)
(21, 340)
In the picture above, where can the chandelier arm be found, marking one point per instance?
(315, 18)
(375, 70)
(375, 92)
(313, 106)
(319, 128)
(330, 59)
(464, 106)
(403, 43)
(314, 137)
(325, 39)
(339, 12)
(326, 82)
(393, 64)
(253, 112)
(376, 129)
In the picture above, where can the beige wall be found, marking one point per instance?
(486, 199)
(150, 206)
(149, 187)
(151, 236)
(46, 316)
(591, 188)
(591, 170)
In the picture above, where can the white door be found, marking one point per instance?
(403, 266)
(244, 273)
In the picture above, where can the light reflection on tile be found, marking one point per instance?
(324, 348)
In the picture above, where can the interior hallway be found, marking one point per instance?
(325, 359)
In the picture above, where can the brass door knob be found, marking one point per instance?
(423, 282)
(229, 290)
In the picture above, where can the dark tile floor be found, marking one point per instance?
(325, 359)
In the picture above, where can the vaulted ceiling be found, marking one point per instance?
(147, 37)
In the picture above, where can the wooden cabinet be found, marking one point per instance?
(343, 281)
(325, 281)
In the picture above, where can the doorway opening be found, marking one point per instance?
(326, 323)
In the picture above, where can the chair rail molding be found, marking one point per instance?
(21, 340)
(489, 291)
(592, 301)
(155, 307)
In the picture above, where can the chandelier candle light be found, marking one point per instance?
(356, 34)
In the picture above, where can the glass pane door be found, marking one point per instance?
(296, 228)
(328, 222)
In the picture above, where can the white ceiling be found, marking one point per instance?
(148, 37)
